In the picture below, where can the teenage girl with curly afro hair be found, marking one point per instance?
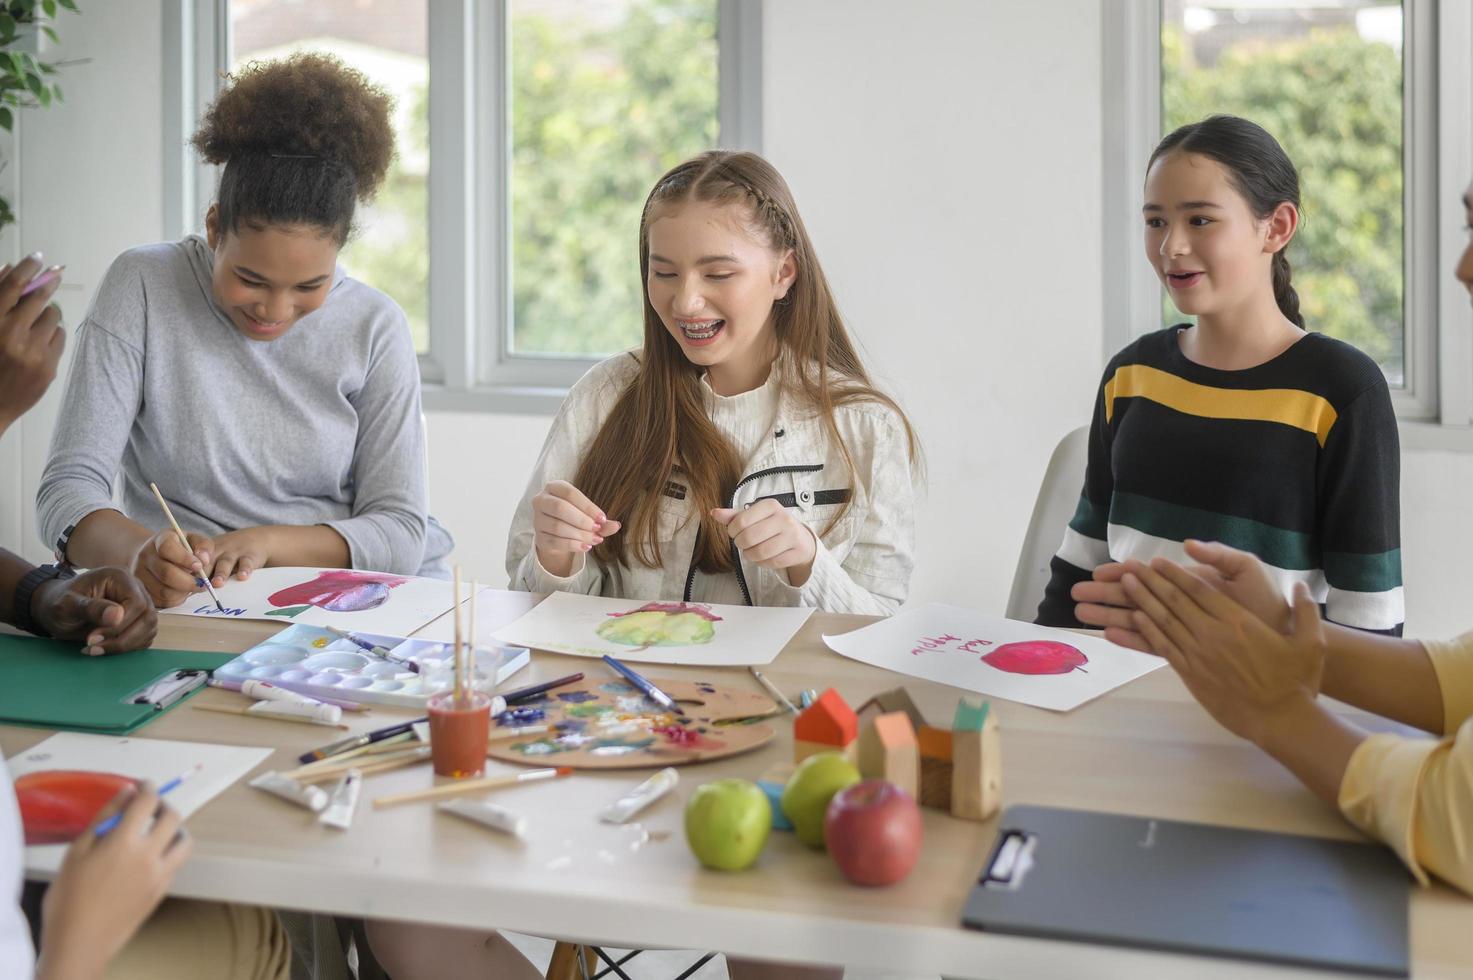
(274, 398)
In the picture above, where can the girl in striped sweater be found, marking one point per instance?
(1244, 428)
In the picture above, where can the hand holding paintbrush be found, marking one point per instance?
(196, 565)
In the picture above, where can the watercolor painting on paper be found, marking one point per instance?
(345, 598)
(1000, 658)
(699, 633)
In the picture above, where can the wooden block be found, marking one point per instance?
(802, 750)
(888, 750)
(829, 723)
(976, 782)
(935, 743)
(888, 702)
(935, 783)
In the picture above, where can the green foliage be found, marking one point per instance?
(598, 114)
(395, 255)
(1334, 101)
(25, 81)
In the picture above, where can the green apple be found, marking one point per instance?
(727, 822)
(806, 797)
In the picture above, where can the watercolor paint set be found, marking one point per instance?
(366, 667)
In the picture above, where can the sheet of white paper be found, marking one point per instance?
(153, 759)
(656, 632)
(1001, 658)
(495, 608)
(373, 602)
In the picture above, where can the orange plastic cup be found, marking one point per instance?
(459, 730)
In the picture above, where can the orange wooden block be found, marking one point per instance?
(935, 743)
(888, 751)
(828, 725)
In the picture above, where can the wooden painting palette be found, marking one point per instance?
(609, 724)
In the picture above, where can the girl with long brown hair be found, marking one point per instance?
(742, 455)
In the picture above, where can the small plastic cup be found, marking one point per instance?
(459, 729)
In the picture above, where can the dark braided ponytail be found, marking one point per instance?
(1260, 171)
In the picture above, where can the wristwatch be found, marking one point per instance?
(26, 588)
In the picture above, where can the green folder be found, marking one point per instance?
(52, 684)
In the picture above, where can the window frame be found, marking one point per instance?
(468, 366)
(1435, 407)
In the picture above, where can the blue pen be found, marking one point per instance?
(116, 818)
(649, 690)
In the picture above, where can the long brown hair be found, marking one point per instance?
(659, 424)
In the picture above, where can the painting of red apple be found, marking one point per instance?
(1036, 657)
(339, 590)
(56, 805)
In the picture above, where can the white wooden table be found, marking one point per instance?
(1144, 749)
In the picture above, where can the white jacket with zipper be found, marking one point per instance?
(863, 563)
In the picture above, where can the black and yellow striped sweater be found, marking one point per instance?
(1295, 460)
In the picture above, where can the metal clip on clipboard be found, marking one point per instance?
(1010, 862)
(169, 688)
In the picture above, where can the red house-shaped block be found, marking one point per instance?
(828, 725)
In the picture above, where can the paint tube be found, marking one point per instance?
(263, 691)
(313, 798)
(488, 815)
(322, 714)
(640, 797)
(339, 812)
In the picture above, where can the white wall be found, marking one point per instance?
(946, 158)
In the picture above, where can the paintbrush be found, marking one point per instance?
(470, 786)
(199, 580)
(375, 649)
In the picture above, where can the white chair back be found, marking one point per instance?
(1057, 499)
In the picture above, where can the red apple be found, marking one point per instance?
(1036, 657)
(873, 830)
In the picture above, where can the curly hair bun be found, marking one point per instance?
(307, 104)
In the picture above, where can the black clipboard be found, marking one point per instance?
(1194, 888)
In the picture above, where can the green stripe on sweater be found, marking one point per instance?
(1090, 520)
(1289, 550)
(1363, 573)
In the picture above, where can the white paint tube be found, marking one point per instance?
(321, 714)
(339, 812)
(313, 798)
(488, 815)
(266, 691)
(640, 797)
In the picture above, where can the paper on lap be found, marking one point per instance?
(1001, 658)
(153, 759)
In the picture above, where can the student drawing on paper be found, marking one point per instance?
(661, 624)
(282, 396)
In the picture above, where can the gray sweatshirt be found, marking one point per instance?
(320, 426)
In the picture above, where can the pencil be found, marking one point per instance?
(773, 691)
(458, 667)
(470, 786)
(199, 580)
(222, 709)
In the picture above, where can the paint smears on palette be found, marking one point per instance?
(319, 663)
(608, 724)
(343, 597)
